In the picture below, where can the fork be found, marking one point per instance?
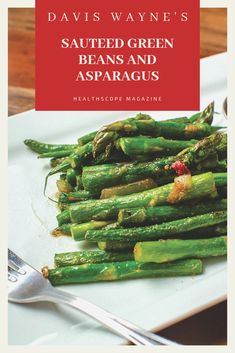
(27, 285)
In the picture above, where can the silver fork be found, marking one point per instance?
(27, 285)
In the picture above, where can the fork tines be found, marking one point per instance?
(15, 259)
(15, 265)
(12, 275)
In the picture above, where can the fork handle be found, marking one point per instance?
(133, 333)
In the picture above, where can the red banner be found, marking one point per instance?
(125, 55)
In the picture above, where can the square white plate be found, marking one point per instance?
(150, 303)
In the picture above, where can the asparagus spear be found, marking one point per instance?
(218, 229)
(142, 145)
(128, 189)
(213, 230)
(156, 231)
(175, 249)
(90, 256)
(111, 271)
(41, 147)
(96, 178)
(159, 214)
(184, 188)
(112, 213)
(206, 116)
(78, 231)
(147, 126)
(208, 232)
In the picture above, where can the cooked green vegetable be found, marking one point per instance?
(175, 249)
(206, 116)
(159, 214)
(184, 188)
(96, 178)
(114, 192)
(158, 231)
(144, 125)
(112, 271)
(91, 256)
(40, 147)
(207, 232)
(142, 145)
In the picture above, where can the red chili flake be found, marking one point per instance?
(180, 168)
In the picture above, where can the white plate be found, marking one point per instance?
(151, 303)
